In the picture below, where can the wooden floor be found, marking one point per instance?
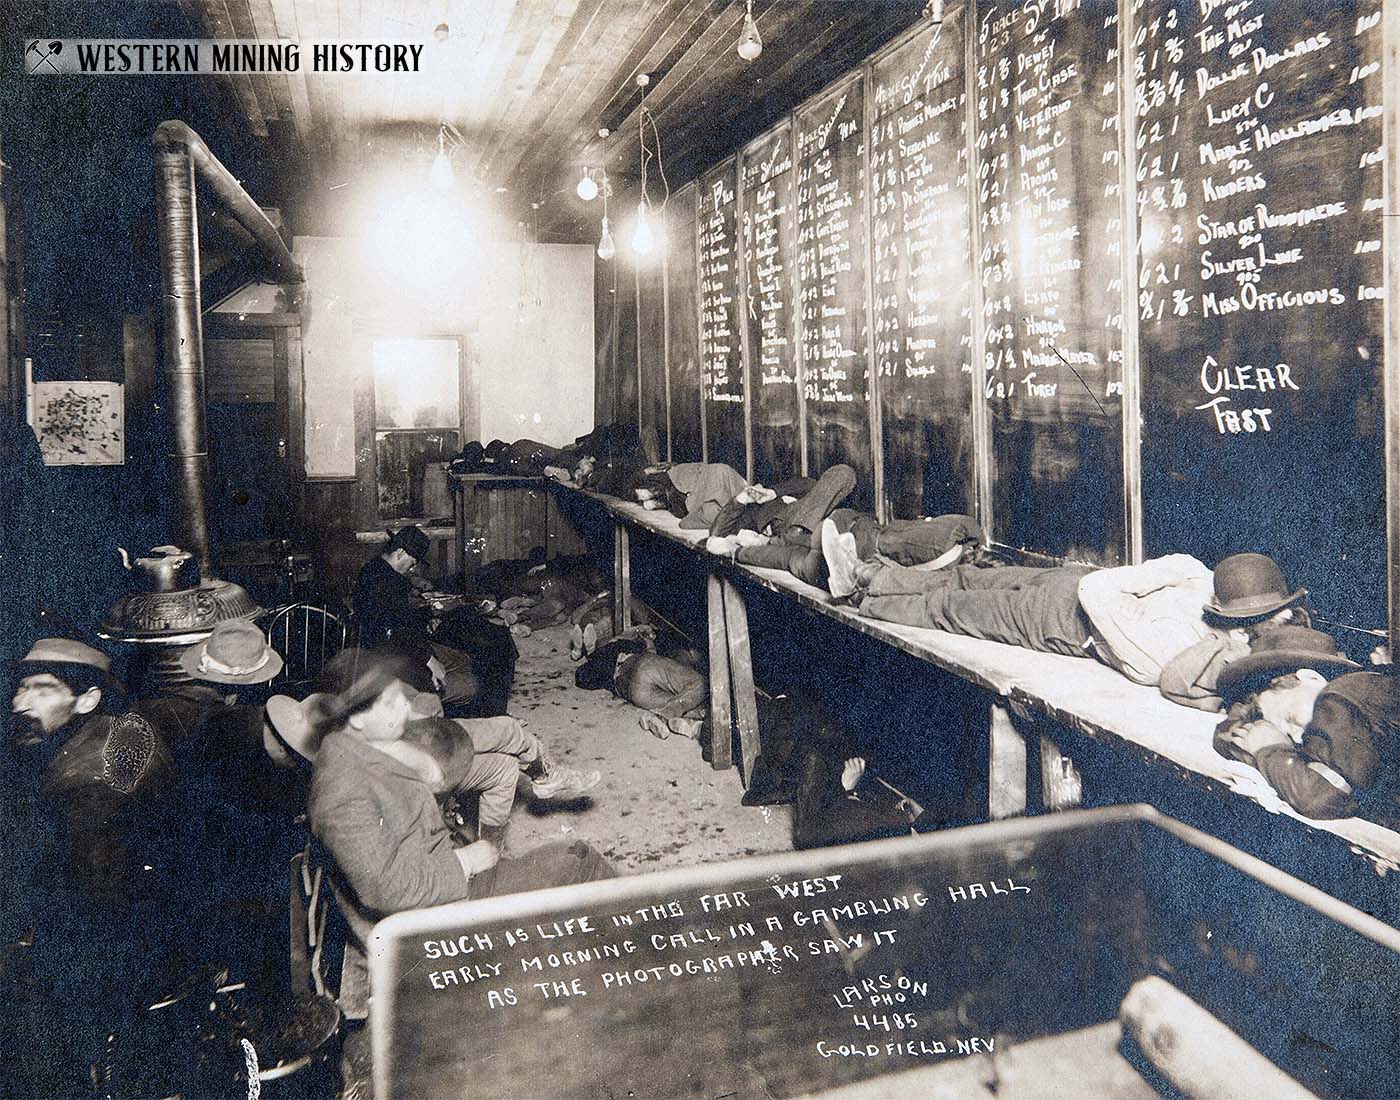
(659, 804)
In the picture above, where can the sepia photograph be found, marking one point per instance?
(699, 549)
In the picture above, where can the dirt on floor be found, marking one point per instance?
(659, 805)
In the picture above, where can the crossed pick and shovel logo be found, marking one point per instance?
(40, 54)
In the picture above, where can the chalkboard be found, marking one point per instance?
(605, 342)
(1048, 212)
(683, 354)
(831, 244)
(651, 352)
(628, 409)
(720, 349)
(730, 979)
(767, 233)
(922, 272)
(797, 973)
(1261, 289)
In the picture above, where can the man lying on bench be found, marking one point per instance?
(1133, 618)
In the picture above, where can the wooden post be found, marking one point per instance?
(981, 412)
(1061, 786)
(1390, 236)
(736, 628)
(1006, 772)
(721, 730)
(1131, 375)
(622, 584)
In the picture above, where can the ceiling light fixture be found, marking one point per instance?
(587, 186)
(934, 11)
(440, 174)
(750, 43)
(643, 237)
(606, 249)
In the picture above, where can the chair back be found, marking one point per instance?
(307, 635)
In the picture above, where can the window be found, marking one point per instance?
(417, 424)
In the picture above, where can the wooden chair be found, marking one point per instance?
(307, 635)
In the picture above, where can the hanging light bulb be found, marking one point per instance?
(643, 239)
(606, 250)
(750, 43)
(587, 187)
(440, 174)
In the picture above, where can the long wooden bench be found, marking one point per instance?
(1078, 694)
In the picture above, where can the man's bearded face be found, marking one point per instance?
(42, 704)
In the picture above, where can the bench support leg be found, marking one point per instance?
(1061, 786)
(736, 628)
(622, 583)
(721, 731)
(1006, 778)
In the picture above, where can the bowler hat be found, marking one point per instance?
(1250, 586)
(412, 539)
(236, 652)
(1279, 651)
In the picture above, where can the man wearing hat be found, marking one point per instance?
(1133, 618)
(383, 589)
(472, 660)
(96, 772)
(1250, 598)
(1320, 730)
(373, 804)
(87, 822)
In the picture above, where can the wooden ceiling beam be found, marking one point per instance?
(284, 25)
(779, 75)
(241, 20)
(577, 110)
(692, 66)
(565, 71)
(673, 44)
(501, 41)
(522, 81)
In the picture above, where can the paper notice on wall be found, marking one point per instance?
(80, 423)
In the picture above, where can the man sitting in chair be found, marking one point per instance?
(472, 659)
(86, 825)
(374, 806)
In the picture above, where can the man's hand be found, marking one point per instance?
(477, 857)
(1254, 736)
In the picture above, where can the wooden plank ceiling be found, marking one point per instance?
(528, 83)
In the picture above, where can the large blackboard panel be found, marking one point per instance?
(922, 275)
(745, 979)
(1260, 306)
(1048, 213)
(768, 226)
(720, 348)
(683, 311)
(831, 228)
(628, 410)
(604, 342)
(651, 354)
